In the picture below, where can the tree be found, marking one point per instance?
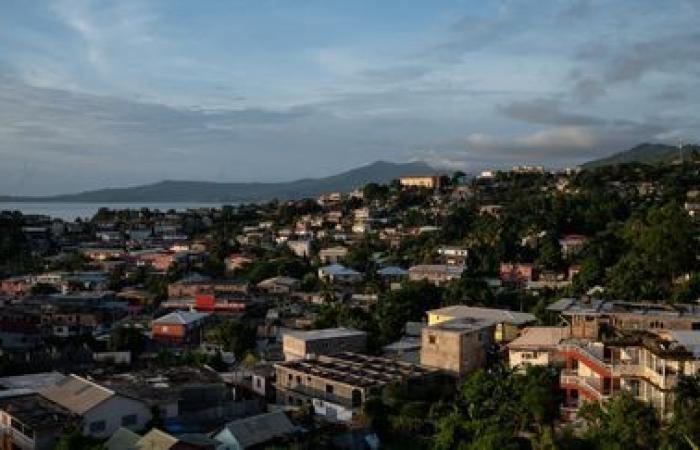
(232, 336)
(622, 422)
(73, 440)
(685, 425)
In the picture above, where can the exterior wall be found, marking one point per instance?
(295, 348)
(458, 352)
(290, 382)
(522, 358)
(112, 412)
(429, 182)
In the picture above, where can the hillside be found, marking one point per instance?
(200, 191)
(646, 153)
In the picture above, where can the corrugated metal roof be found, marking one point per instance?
(77, 394)
(261, 428)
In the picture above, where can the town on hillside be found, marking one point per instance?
(511, 309)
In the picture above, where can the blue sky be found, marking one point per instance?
(117, 93)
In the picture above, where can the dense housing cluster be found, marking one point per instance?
(435, 311)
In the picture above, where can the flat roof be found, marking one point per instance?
(495, 315)
(326, 333)
(355, 369)
(539, 337)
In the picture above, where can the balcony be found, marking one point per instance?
(322, 395)
(591, 384)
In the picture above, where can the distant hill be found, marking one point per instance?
(200, 191)
(645, 153)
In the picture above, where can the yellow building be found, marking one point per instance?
(508, 323)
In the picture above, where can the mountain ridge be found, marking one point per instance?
(209, 191)
(644, 153)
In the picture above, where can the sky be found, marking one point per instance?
(117, 93)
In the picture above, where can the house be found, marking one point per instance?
(337, 386)
(237, 261)
(437, 274)
(393, 275)
(156, 439)
(101, 410)
(179, 327)
(536, 346)
(517, 273)
(337, 273)
(279, 285)
(571, 244)
(329, 341)
(302, 248)
(457, 346)
(424, 182)
(585, 316)
(454, 256)
(32, 422)
(507, 323)
(333, 255)
(255, 431)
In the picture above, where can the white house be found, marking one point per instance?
(102, 410)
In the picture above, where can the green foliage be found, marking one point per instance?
(493, 409)
(73, 440)
(622, 422)
(232, 335)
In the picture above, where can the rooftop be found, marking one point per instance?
(259, 429)
(539, 337)
(326, 333)
(602, 307)
(77, 394)
(180, 318)
(37, 412)
(495, 315)
(462, 325)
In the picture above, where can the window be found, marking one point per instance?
(98, 426)
(329, 389)
(432, 339)
(129, 420)
(258, 382)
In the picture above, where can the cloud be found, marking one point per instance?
(545, 111)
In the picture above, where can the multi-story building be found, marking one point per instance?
(426, 182)
(585, 317)
(337, 386)
(458, 346)
(435, 273)
(329, 341)
(454, 256)
(646, 364)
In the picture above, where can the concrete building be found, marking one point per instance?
(329, 341)
(536, 346)
(453, 256)
(30, 422)
(585, 317)
(179, 327)
(507, 323)
(101, 410)
(302, 249)
(333, 255)
(457, 346)
(337, 386)
(425, 182)
(437, 274)
(646, 364)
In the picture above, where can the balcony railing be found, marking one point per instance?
(590, 383)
